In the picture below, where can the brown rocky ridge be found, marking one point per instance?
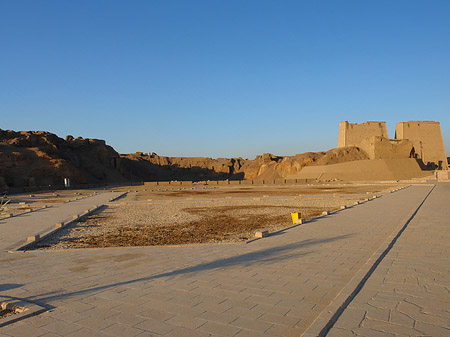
(39, 158)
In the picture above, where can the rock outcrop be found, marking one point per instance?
(39, 158)
(30, 158)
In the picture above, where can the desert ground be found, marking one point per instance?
(192, 215)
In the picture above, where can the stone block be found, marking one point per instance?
(261, 234)
(300, 221)
(59, 225)
(325, 213)
(33, 238)
(343, 207)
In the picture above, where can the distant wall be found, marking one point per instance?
(426, 138)
(226, 182)
(383, 148)
(351, 134)
(366, 170)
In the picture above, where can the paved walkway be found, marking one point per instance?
(277, 286)
(409, 293)
(15, 230)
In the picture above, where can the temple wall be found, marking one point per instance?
(384, 148)
(426, 138)
(351, 134)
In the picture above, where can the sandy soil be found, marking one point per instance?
(203, 215)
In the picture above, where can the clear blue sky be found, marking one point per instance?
(221, 78)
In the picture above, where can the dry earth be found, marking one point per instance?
(203, 215)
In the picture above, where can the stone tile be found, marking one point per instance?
(376, 314)
(152, 325)
(263, 308)
(219, 329)
(185, 332)
(68, 316)
(399, 318)
(186, 322)
(100, 313)
(218, 317)
(94, 323)
(351, 318)
(285, 331)
(433, 330)
(126, 319)
(41, 320)
(156, 314)
(365, 332)
(21, 330)
(62, 328)
(243, 312)
(250, 324)
(337, 332)
(279, 319)
(251, 333)
(121, 330)
(217, 307)
(87, 332)
(389, 328)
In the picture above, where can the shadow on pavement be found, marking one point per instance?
(256, 258)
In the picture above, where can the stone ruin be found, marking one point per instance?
(413, 139)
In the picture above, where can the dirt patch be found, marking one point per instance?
(224, 220)
(255, 191)
(204, 215)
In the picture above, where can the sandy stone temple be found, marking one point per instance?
(413, 139)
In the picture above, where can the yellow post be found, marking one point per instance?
(295, 216)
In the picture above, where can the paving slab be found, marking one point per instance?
(409, 293)
(275, 286)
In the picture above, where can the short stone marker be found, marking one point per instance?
(325, 213)
(262, 234)
(33, 238)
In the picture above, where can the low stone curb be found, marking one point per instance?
(32, 239)
(26, 212)
(118, 197)
(303, 221)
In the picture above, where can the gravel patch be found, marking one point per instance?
(190, 221)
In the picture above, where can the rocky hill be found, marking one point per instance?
(39, 158)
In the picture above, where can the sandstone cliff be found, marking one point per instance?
(41, 158)
(38, 158)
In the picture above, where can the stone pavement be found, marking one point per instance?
(15, 230)
(409, 292)
(277, 286)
